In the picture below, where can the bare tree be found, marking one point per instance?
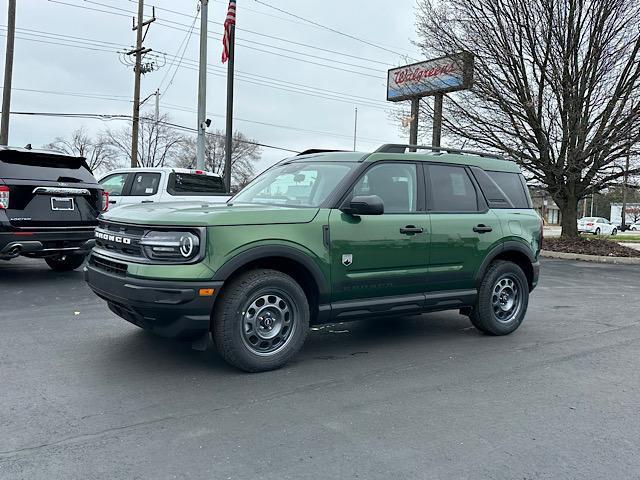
(159, 143)
(244, 155)
(557, 86)
(98, 152)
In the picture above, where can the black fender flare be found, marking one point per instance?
(508, 246)
(264, 251)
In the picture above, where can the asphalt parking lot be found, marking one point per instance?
(85, 395)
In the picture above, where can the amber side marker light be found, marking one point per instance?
(206, 292)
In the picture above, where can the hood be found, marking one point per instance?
(203, 214)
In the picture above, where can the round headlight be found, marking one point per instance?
(170, 246)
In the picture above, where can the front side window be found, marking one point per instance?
(145, 184)
(114, 184)
(452, 189)
(394, 183)
(296, 184)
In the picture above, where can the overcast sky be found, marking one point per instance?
(86, 62)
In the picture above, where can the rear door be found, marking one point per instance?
(463, 229)
(49, 190)
(144, 187)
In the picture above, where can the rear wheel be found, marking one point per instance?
(64, 263)
(614, 232)
(503, 298)
(261, 321)
(597, 232)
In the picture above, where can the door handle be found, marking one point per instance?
(411, 230)
(482, 228)
(112, 202)
(147, 201)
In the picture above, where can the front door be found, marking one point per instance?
(115, 186)
(463, 230)
(382, 255)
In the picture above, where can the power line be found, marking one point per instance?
(312, 22)
(268, 124)
(185, 42)
(107, 117)
(247, 77)
(273, 37)
(172, 24)
(168, 106)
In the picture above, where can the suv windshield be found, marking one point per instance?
(295, 185)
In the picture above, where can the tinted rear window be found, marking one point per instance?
(503, 189)
(42, 166)
(194, 184)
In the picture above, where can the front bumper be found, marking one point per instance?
(172, 309)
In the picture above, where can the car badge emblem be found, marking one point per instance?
(347, 259)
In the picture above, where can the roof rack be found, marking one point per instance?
(317, 150)
(402, 148)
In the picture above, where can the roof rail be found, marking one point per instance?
(317, 150)
(402, 148)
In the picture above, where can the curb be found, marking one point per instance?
(591, 258)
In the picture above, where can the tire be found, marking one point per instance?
(64, 263)
(614, 232)
(503, 283)
(633, 228)
(597, 232)
(251, 308)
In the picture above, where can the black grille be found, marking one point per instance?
(109, 266)
(119, 238)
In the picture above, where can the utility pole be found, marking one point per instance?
(202, 85)
(355, 130)
(625, 181)
(139, 51)
(8, 73)
(228, 147)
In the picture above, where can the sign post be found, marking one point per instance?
(430, 78)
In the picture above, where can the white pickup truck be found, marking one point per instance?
(128, 186)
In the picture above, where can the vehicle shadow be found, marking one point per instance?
(33, 271)
(143, 353)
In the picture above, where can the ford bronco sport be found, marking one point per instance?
(49, 205)
(326, 237)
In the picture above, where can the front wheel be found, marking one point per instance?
(614, 232)
(261, 321)
(503, 299)
(64, 263)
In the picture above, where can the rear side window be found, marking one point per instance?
(145, 184)
(195, 184)
(44, 166)
(452, 189)
(513, 187)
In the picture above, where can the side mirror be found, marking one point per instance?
(364, 205)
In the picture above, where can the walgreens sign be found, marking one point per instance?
(441, 75)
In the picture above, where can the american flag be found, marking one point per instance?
(230, 20)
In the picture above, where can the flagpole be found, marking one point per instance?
(202, 86)
(229, 127)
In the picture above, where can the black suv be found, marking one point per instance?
(49, 204)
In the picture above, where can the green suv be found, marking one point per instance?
(325, 237)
